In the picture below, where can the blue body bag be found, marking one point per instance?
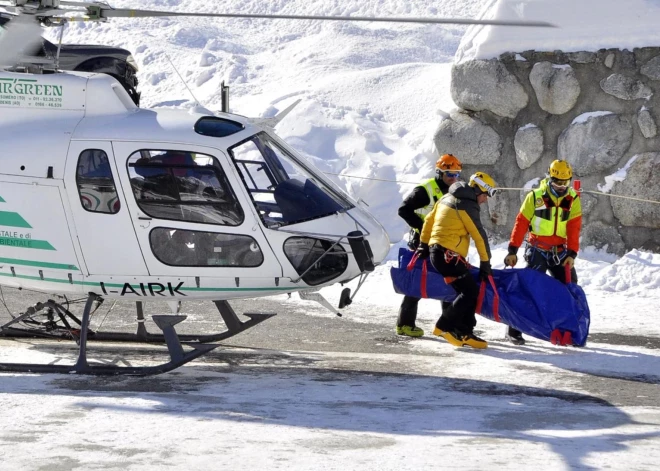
(530, 301)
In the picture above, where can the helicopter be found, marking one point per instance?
(112, 201)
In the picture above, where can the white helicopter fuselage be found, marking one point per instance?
(99, 196)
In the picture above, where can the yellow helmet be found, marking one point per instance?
(484, 182)
(448, 163)
(561, 170)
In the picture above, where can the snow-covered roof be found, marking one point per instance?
(582, 25)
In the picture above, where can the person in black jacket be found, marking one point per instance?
(413, 210)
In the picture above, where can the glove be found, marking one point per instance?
(511, 259)
(423, 251)
(413, 240)
(570, 259)
(485, 271)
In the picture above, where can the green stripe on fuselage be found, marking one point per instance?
(25, 243)
(13, 220)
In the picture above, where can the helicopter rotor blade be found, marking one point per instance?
(99, 11)
(23, 34)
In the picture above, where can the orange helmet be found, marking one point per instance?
(448, 163)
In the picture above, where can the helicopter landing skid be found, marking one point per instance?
(178, 356)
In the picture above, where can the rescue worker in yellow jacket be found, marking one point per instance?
(446, 235)
(413, 210)
(552, 214)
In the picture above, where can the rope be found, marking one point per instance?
(499, 188)
(595, 193)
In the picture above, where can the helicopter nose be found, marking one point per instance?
(380, 244)
(379, 241)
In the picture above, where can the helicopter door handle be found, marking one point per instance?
(144, 218)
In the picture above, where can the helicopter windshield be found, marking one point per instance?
(284, 190)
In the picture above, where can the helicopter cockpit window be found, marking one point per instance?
(95, 183)
(183, 186)
(304, 253)
(217, 127)
(284, 190)
(183, 248)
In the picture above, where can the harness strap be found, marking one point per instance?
(496, 298)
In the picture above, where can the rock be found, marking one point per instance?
(468, 139)
(625, 88)
(528, 144)
(582, 57)
(609, 60)
(557, 89)
(588, 203)
(487, 85)
(641, 182)
(647, 123)
(596, 143)
(652, 68)
(498, 210)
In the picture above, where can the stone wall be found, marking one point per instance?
(597, 110)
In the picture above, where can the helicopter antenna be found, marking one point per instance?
(184, 82)
(275, 120)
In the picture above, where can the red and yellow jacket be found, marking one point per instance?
(551, 221)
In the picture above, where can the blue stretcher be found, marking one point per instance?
(532, 302)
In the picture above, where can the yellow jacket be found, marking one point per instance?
(454, 220)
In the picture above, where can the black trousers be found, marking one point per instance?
(543, 261)
(458, 316)
(408, 311)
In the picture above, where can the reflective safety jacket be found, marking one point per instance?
(455, 220)
(420, 201)
(551, 221)
(434, 193)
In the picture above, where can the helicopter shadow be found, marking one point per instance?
(354, 407)
(594, 360)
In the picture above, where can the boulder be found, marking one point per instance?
(557, 89)
(641, 182)
(528, 144)
(602, 236)
(595, 142)
(646, 123)
(652, 68)
(625, 88)
(472, 141)
(487, 85)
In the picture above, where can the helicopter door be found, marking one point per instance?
(188, 217)
(101, 217)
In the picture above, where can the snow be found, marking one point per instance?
(583, 25)
(584, 117)
(618, 176)
(372, 97)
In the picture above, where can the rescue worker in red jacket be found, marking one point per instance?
(552, 214)
(446, 235)
(413, 210)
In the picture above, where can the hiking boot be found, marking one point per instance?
(514, 336)
(438, 332)
(473, 341)
(409, 331)
(458, 340)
